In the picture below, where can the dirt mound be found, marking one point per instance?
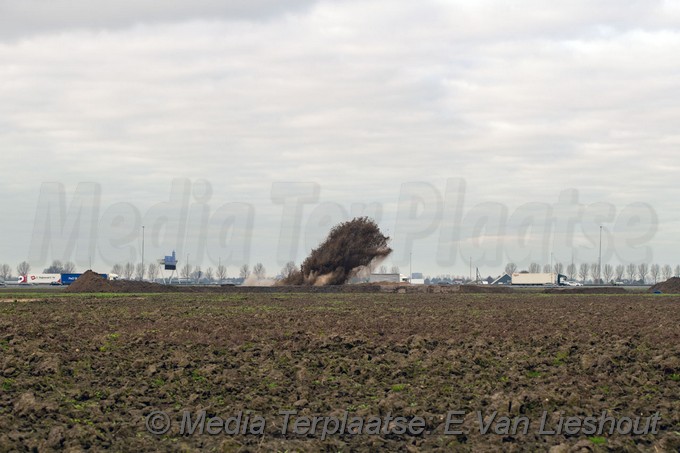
(349, 247)
(586, 290)
(672, 285)
(92, 282)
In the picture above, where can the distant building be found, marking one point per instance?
(387, 278)
(417, 278)
(504, 279)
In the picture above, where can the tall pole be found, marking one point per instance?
(188, 269)
(599, 261)
(142, 252)
(552, 280)
(470, 269)
(410, 266)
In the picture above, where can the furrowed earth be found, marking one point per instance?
(83, 371)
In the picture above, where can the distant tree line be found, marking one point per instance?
(590, 272)
(584, 272)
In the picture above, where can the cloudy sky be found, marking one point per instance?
(240, 131)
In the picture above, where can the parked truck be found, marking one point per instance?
(41, 279)
(538, 279)
(55, 279)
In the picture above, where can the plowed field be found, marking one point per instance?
(86, 371)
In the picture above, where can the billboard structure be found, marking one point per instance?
(168, 263)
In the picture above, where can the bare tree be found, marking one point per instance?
(383, 269)
(654, 271)
(209, 274)
(244, 272)
(139, 271)
(677, 270)
(510, 268)
(631, 270)
(152, 271)
(571, 271)
(5, 272)
(69, 267)
(394, 270)
(534, 268)
(128, 270)
(117, 269)
(608, 272)
(55, 268)
(547, 268)
(186, 272)
(259, 271)
(23, 268)
(667, 271)
(221, 272)
(198, 273)
(289, 269)
(642, 270)
(620, 269)
(583, 271)
(595, 273)
(558, 268)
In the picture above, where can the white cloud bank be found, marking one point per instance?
(522, 101)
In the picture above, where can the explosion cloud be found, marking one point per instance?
(349, 247)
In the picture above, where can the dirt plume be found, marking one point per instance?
(350, 247)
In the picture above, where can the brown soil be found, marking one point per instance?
(82, 372)
(91, 282)
(586, 290)
(672, 286)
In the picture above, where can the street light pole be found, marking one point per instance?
(552, 280)
(599, 260)
(142, 252)
(410, 266)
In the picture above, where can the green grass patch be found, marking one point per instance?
(598, 440)
(560, 358)
(7, 384)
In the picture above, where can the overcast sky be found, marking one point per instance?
(349, 102)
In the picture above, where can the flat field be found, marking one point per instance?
(83, 371)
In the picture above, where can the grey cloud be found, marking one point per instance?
(358, 96)
(25, 18)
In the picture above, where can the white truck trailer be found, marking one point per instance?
(537, 279)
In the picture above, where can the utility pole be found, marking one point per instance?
(599, 261)
(188, 270)
(470, 269)
(552, 271)
(410, 266)
(142, 252)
